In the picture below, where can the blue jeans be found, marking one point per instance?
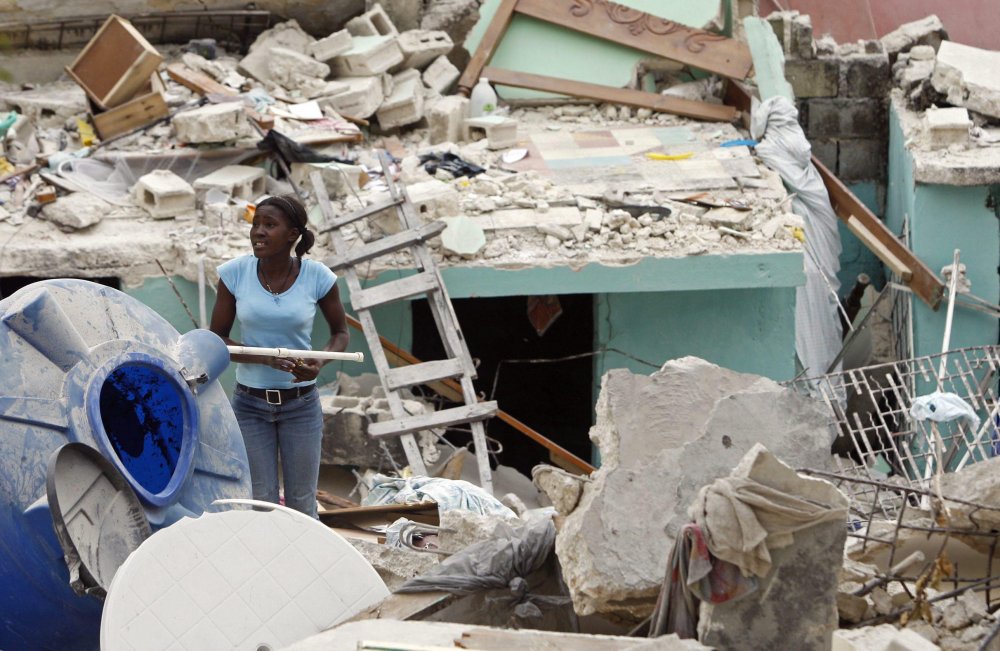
(295, 428)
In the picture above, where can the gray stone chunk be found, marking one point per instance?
(562, 488)
(969, 77)
(926, 31)
(395, 566)
(662, 437)
(75, 211)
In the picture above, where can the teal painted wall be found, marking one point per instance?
(943, 218)
(856, 258)
(747, 330)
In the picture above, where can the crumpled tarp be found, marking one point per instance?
(448, 493)
(759, 508)
(784, 149)
(501, 562)
(693, 576)
(942, 407)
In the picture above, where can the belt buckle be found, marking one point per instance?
(277, 394)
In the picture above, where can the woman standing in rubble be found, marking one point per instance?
(275, 295)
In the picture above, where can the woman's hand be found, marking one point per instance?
(281, 363)
(306, 370)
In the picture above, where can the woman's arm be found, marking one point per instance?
(333, 312)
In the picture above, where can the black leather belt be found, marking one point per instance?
(276, 396)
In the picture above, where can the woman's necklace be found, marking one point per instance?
(263, 276)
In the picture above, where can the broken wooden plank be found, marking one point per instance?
(137, 112)
(433, 420)
(878, 248)
(653, 101)
(642, 31)
(408, 606)
(197, 81)
(497, 639)
(487, 46)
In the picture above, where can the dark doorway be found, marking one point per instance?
(553, 396)
(11, 284)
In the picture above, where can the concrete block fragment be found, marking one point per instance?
(865, 75)
(801, 45)
(213, 123)
(683, 426)
(446, 119)
(76, 211)
(908, 640)
(163, 194)
(500, 132)
(405, 14)
(562, 488)
(969, 77)
(289, 68)
(441, 75)
(369, 55)
(421, 46)
(845, 118)
(374, 22)
(287, 35)
(947, 126)
(340, 179)
(326, 49)
(395, 565)
(813, 77)
(238, 181)
(462, 236)
(926, 31)
(861, 159)
(406, 103)
(360, 97)
(433, 199)
(868, 638)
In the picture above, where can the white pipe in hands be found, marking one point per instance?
(295, 354)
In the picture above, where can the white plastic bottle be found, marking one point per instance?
(483, 99)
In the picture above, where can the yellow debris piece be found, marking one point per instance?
(655, 156)
(87, 135)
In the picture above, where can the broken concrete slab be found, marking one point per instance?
(446, 119)
(369, 55)
(345, 432)
(500, 132)
(76, 211)
(562, 488)
(164, 194)
(684, 426)
(978, 483)
(212, 124)
(340, 179)
(926, 31)
(51, 103)
(462, 236)
(286, 35)
(461, 528)
(395, 566)
(237, 181)
(289, 68)
(969, 77)
(798, 563)
(358, 97)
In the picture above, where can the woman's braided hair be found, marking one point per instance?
(293, 209)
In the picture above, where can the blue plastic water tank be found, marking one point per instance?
(80, 362)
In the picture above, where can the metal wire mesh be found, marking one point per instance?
(878, 439)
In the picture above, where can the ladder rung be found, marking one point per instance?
(408, 376)
(367, 211)
(386, 245)
(443, 418)
(396, 290)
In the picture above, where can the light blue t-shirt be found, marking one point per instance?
(269, 321)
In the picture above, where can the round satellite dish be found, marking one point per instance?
(97, 517)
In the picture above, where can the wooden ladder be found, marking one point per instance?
(426, 282)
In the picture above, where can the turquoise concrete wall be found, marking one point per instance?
(856, 258)
(747, 330)
(942, 219)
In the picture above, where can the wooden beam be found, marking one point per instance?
(642, 31)
(653, 101)
(882, 251)
(197, 81)
(453, 391)
(487, 46)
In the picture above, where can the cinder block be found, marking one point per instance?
(861, 160)
(813, 77)
(500, 132)
(374, 22)
(845, 118)
(406, 104)
(802, 37)
(164, 194)
(441, 74)
(865, 75)
(360, 99)
(213, 123)
(405, 14)
(446, 119)
(947, 126)
(826, 152)
(421, 46)
(340, 179)
(238, 181)
(369, 55)
(332, 46)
